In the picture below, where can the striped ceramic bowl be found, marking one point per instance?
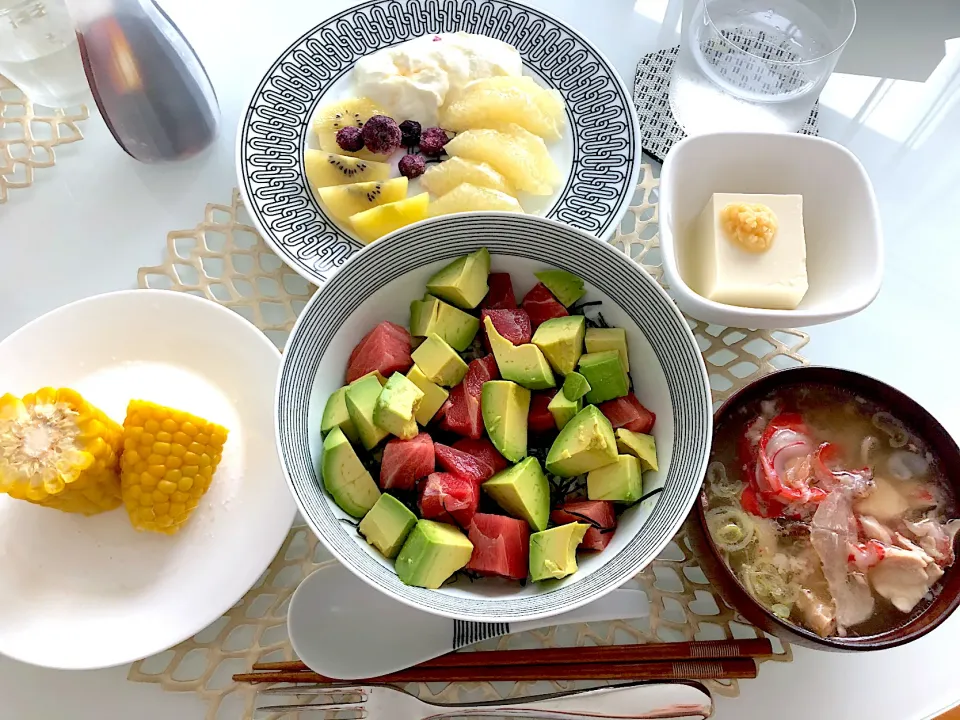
(378, 284)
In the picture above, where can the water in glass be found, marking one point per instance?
(755, 65)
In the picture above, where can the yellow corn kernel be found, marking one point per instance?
(59, 451)
(169, 459)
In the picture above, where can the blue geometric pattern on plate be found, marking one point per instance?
(273, 131)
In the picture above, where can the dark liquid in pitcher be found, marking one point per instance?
(151, 89)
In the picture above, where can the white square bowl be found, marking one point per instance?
(840, 218)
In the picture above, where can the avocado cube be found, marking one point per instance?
(361, 399)
(563, 409)
(561, 340)
(600, 339)
(464, 281)
(432, 315)
(439, 362)
(566, 287)
(641, 446)
(344, 476)
(607, 378)
(432, 553)
(585, 443)
(523, 492)
(620, 481)
(575, 386)
(335, 415)
(553, 552)
(523, 364)
(504, 406)
(387, 525)
(397, 406)
(434, 396)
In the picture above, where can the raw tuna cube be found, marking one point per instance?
(599, 514)
(461, 464)
(480, 371)
(484, 451)
(539, 418)
(449, 498)
(513, 324)
(385, 348)
(500, 295)
(406, 461)
(501, 546)
(391, 329)
(461, 412)
(541, 305)
(627, 412)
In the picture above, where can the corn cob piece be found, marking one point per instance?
(59, 451)
(169, 458)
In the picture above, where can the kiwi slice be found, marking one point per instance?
(346, 200)
(326, 169)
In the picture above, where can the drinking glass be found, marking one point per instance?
(39, 52)
(756, 65)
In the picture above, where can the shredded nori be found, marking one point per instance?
(591, 320)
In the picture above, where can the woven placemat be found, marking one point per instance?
(28, 135)
(651, 94)
(225, 260)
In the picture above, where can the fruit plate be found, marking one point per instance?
(88, 592)
(667, 369)
(598, 155)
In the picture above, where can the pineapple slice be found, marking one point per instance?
(169, 459)
(499, 101)
(59, 451)
(515, 153)
(467, 197)
(444, 177)
(345, 200)
(326, 169)
(331, 118)
(377, 222)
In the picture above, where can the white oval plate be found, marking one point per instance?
(89, 592)
(598, 156)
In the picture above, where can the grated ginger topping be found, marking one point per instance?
(752, 226)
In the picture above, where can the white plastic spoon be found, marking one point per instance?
(343, 629)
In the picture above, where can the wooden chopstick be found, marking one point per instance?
(752, 648)
(725, 669)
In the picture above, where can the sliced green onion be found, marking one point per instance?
(781, 611)
(731, 528)
(720, 484)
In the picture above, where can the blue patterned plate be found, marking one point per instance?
(599, 154)
(667, 370)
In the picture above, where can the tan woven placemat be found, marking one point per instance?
(29, 134)
(224, 259)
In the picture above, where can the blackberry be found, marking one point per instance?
(410, 133)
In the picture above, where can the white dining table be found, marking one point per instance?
(87, 225)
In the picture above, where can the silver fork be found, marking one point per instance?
(633, 701)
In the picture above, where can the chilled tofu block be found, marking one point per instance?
(738, 254)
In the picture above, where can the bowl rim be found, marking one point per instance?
(512, 609)
(761, 318)
(899, 635)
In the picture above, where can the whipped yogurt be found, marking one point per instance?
(413, 80)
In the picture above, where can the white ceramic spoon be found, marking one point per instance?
(343, 629)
